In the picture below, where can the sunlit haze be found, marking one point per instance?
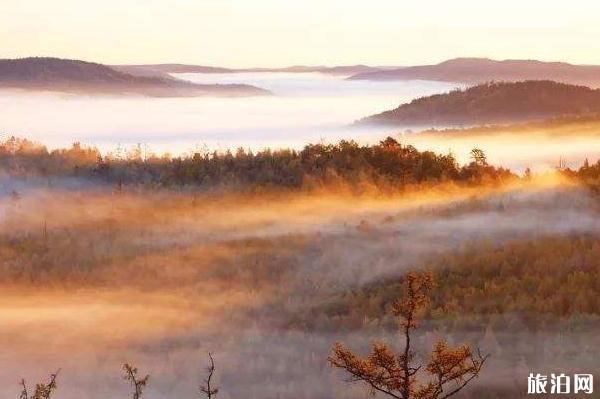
(278, 33)
(386, 198)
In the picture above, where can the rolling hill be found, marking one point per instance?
(479, 70)
(75, 76)
(488, 103)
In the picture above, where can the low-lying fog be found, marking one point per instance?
(306, 107)
(160, 279)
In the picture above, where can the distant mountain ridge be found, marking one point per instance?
(161, 69)
(166, 69)
(75, 76)
(499, 102)
(460, 70)
(479, 70)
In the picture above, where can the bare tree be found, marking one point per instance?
(450, 369)
(42, 391)
(24, 394)
(138, 384)
(207, 389)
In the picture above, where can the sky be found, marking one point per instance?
(244, 33)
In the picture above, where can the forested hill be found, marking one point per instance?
(55, 74)
(487, 103)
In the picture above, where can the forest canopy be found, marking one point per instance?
(494, 102)
(385, 164)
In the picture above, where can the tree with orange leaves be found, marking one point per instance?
(450, 369)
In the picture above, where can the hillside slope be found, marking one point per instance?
(479, 70)
(75, 76)
(493, 103)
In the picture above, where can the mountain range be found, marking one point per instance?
(75, 76)
(458, 70)
(161, 69)
(479, 70)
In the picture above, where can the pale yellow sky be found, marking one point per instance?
(277, 33)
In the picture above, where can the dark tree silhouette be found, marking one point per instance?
(207, 388)
(138, 384)
(450, 369)
(24, 394)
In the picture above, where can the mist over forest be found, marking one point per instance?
(267, 259)
(181, 231)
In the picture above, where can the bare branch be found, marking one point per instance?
(24, 393)
(137, 384)
(207, 389)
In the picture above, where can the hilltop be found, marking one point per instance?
(75, 76)
(479, 70)
(487, 103)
